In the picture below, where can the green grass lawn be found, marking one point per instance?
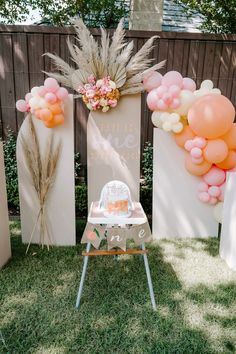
(195, 293)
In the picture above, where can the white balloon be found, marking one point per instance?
(186, 100)
(208, 84)
(34, 102)
(42, 103)
(167, 126)
(218, 212)
(174, 118)
(165, 116)
(34, 90)
(177, 128)
(216, 91)
(156, 119)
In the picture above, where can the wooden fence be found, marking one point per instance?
(199, 56)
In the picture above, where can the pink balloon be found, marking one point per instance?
(214, 191)
(189, 84)
(161, 105)
(50, 97)
(174, 90)
(42, 91)
(167, 98)
(152, 80)
(215, 176)
(161, 90)
(28, 96)
(172, 78)
(21, 105)
(213, 201)
(196, 152)
(222, 192)
(189, 145)
(199, 142)
(175, 103)
(152, 99)
(197, 160)
(51, 84)
(62, 93)
(203, 187)
(204, 197)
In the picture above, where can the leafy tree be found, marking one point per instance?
(95, 13)
(218, 16)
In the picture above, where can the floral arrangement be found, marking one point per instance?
(202, 122)
(46, 103)
(104, 72)
(101, 94)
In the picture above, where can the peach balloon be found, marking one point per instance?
(229, 162)
(230, 137)
(58, 119)
(196, 169)
(46, 114)
(215, 151)
(211, 116)
(50, 124)
(37, 113)
(182, 137)
(55, 108)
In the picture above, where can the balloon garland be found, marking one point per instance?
(45, 103)
(202, 122)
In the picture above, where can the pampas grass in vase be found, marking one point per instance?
(42, 169)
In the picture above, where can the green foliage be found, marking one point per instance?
(81, 192)
(146, 199)
(218, 16)
(9, 147)
(106, 13)
(147, 164)
(77, 165)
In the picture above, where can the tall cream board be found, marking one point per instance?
(113, 147)
(177, 212)
(228, 233)
(60, 207)
(5, 246)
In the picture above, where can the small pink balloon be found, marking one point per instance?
(204, 197)
(214, 191)
(213, 201)
(51, 84)
(152, 99)
(189, 145)
(42, 91)
(161, 90)
(222, 192)
(175, 103)
(28, 96)
(189, 84)
(21, 105)
(62, 93)
(203, 187)
(167, 98)
(152, 80)
(161, 105)
(172, 78)
(174, 90)
(215, 176)
(197, 160)
(196, 152)
(199, 142)
(50, 97)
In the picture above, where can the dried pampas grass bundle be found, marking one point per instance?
(42, 170)
(112, 58)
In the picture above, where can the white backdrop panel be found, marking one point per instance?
(60, 207)
(228, 233)
(177, 212)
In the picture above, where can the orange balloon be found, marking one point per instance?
(229, 162)
(230, 137)
(50, 124)
(211, 116)
(215, 151)
(196, 169)
(58, 119)
(37, 113)
(184, 135)
(55, 108)
(46, 114)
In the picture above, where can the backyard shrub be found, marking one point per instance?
(77, 165)
(81, 191)
(9, 147)
(147, 164)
